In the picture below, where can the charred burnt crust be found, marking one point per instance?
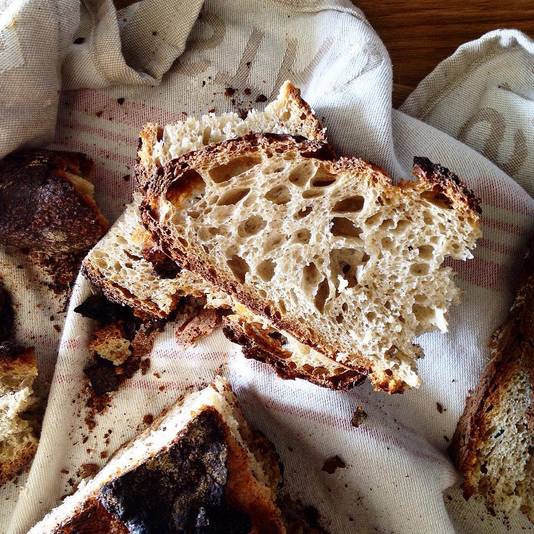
(40, 208)
(99, 308)
(11, 348)
(7, 316)
(443, 178)
(181, 489)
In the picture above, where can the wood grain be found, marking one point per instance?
(420, 33)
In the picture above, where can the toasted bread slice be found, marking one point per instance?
(117, 265)
(493, 445)
(198, 464)
(327, 250)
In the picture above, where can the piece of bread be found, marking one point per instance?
(111, 343)
(18, 440)
(46, 202)
(329, 251)
(493, 445)
(47, 209)
(117, 265)
(198, 465)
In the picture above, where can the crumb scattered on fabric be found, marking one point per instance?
(332, 464)
(261, 98)
(440, 408)
(120, 100)
(229, 91)
(148, 419)
(88, 470)
(358, 417)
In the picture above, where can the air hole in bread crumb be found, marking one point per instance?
(401, 226)
(310, 276)
(344, 263)
(301, 173)
(427, 217)
(233, 197)
(351, 204)
(238, 266)
(422, 313)
(339, 318)
(436, 197)
(304, 212)
(370, 316)
(312, 193)
(282, 307)
(206, 135)
(274, 167)
(386, 243)
(345, 307)
(181, 188)
(342, 227)
(273, 242)
(322, 294)
(182, 241)
(302, 236)
(251, 226)
(278, 195)
(323, 178)
(419, 269)
(285, 116)
(426, 252)
(386, 224)
(265, 270)
(374, 219)
(237, 166)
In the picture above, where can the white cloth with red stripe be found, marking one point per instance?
(397, 469)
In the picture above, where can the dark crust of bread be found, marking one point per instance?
(512, 350)
(182, 175)
(40, 208)
(445, 180)
(258, 347)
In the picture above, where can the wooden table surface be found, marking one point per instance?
(421, 33)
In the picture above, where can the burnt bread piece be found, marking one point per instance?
(493, 446)
(326, 250)
(198, 468)
(47, 209)
(46, 202)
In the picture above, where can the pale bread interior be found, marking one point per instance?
(332, 246)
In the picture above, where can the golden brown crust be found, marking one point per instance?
(512, 349)
(258, 345)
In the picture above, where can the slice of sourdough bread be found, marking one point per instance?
(199, 464)
(329, 251)
(493, 445)
(117, 264)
